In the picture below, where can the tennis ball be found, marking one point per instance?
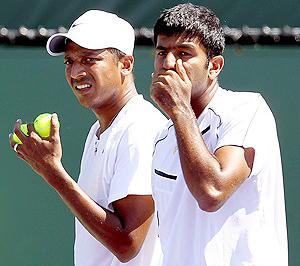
(24, 129)
(42, 125)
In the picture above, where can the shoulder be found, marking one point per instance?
(234, 100)
(139, 119)
(229, 104)
(145, 109)
(141, 113)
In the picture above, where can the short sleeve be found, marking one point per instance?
(253, 125)
(235, 125)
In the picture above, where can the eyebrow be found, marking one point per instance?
(184, 46)
(81, 54)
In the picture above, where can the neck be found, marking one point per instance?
(106, 115)
(199, 103)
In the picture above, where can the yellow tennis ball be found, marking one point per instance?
(42, 125)
(24, 129)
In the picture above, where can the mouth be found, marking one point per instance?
(82, 87)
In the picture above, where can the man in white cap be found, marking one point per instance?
(112, 201)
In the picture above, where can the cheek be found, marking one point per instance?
(190, 70)
(68, 76)
(197, 71)
(102, 78)
(157, 63)
(106, 79)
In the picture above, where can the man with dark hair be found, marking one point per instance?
(112, 201)
(216, 173)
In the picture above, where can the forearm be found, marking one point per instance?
(201, 169)
(103, 224)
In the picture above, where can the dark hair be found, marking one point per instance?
(192, 22)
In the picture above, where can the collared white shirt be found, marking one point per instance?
(250, 228)
(114, 166)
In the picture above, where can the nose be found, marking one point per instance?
(169, 61)
(77, 71)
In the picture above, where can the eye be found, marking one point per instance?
(161, 53)
(183, 53)
(67, 61)
(90, 60)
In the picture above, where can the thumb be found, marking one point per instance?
(181, 70)
(54, 134)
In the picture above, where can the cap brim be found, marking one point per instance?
(56, 44)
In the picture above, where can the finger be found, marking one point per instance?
(165, 76)
(21, 156)
(32, 132)
(17, 124)
(18, 131)
(163, 72)
(155, 76)
(12, 143)
(30, 128)
(181, 70)
(15, 146)
(157, 79)
(54, 132)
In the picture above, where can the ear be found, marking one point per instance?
(215, 66)
(126, 64)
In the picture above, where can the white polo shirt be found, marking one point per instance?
(250, 228)
(114, 166)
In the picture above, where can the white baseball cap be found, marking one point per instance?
(95, 29)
